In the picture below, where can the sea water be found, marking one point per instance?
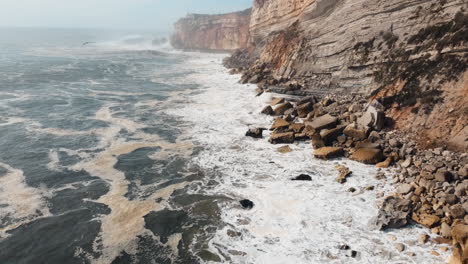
(120, 151)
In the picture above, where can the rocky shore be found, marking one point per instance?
(430, 185)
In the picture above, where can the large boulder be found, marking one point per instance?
(330, 135)
(328, 152)
(374, 117)
(255, 132)
(304, 109)
(394, 213)
(367, 155)
(282, 138)
(460, 240)
(268, 110)
(280, 123)
(325, 121)
(280, 109)
(427, 220)
(356, 133)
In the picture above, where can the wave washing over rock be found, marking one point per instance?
(317, 221)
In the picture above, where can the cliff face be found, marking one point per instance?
(224, 32)
(410, 54)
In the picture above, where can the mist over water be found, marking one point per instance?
(126, 151)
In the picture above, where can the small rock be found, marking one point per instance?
(277, 101)
(392, 237)
(400, 247)
(255, 132)
(423, 238)
(354, 132)
(280, 109)
(344, 247)
(445, 230)
(304, 109)
(268, 110)
(405, 188)
(344, 173)
(352, 189)
(427, 220)
(246, 204)
(407, 162)
(302, 177)
(284, 149)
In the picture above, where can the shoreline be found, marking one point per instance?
(291, 215)
(417, 182)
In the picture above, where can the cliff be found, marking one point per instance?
(224, 32)
(411, 55)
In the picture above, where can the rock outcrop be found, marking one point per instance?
(225, 32)
(412, 55)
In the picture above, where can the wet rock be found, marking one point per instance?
(356, 133)
(246, 204)
(268, 110)
(400, 247)
(352, 189)
(423, 238)
(328, 152)
(280, 109)
(279, 123)
(344, 173)
(258, 91)
(394, 213)
(385, 164)
(427, 220)
(325, 121)
(284, 149)
(344, 247)
(255, 132)
(297, 127)
(302, 177)
(304, 109)
(277, 101)
(330, 135)
(282, 138)
(367, 156)
(317, 141)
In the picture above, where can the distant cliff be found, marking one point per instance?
(225, 32)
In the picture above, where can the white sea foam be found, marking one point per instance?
(19, 202)
(292, 222)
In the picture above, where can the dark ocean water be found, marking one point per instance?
(91, 168)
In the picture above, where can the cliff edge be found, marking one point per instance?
(225, 32)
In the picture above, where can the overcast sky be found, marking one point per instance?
(145, 14)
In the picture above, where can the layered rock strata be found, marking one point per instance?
(225, 32)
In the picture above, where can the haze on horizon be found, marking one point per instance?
(113, 14)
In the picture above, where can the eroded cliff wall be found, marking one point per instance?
(411, 54)
(224, 32)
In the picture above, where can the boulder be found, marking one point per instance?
(246, 204)
(460, 239)
(277, 101)
(344, 173)
(352, 131)
(367, 155)
(394, 213)
(297, 127)
(282, 138)
(255, 132)
(279, 123)
(284, 149)
(427, 220)
(330, 135)
(302, 177)
(317, 141)
(268, 110)
(304, 109)
(325, 121)
(328, 152)
(281, 108)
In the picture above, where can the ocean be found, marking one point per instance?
(124, 150)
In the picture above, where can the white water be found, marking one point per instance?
(292, 222)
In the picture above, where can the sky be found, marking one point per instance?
(124, 14)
